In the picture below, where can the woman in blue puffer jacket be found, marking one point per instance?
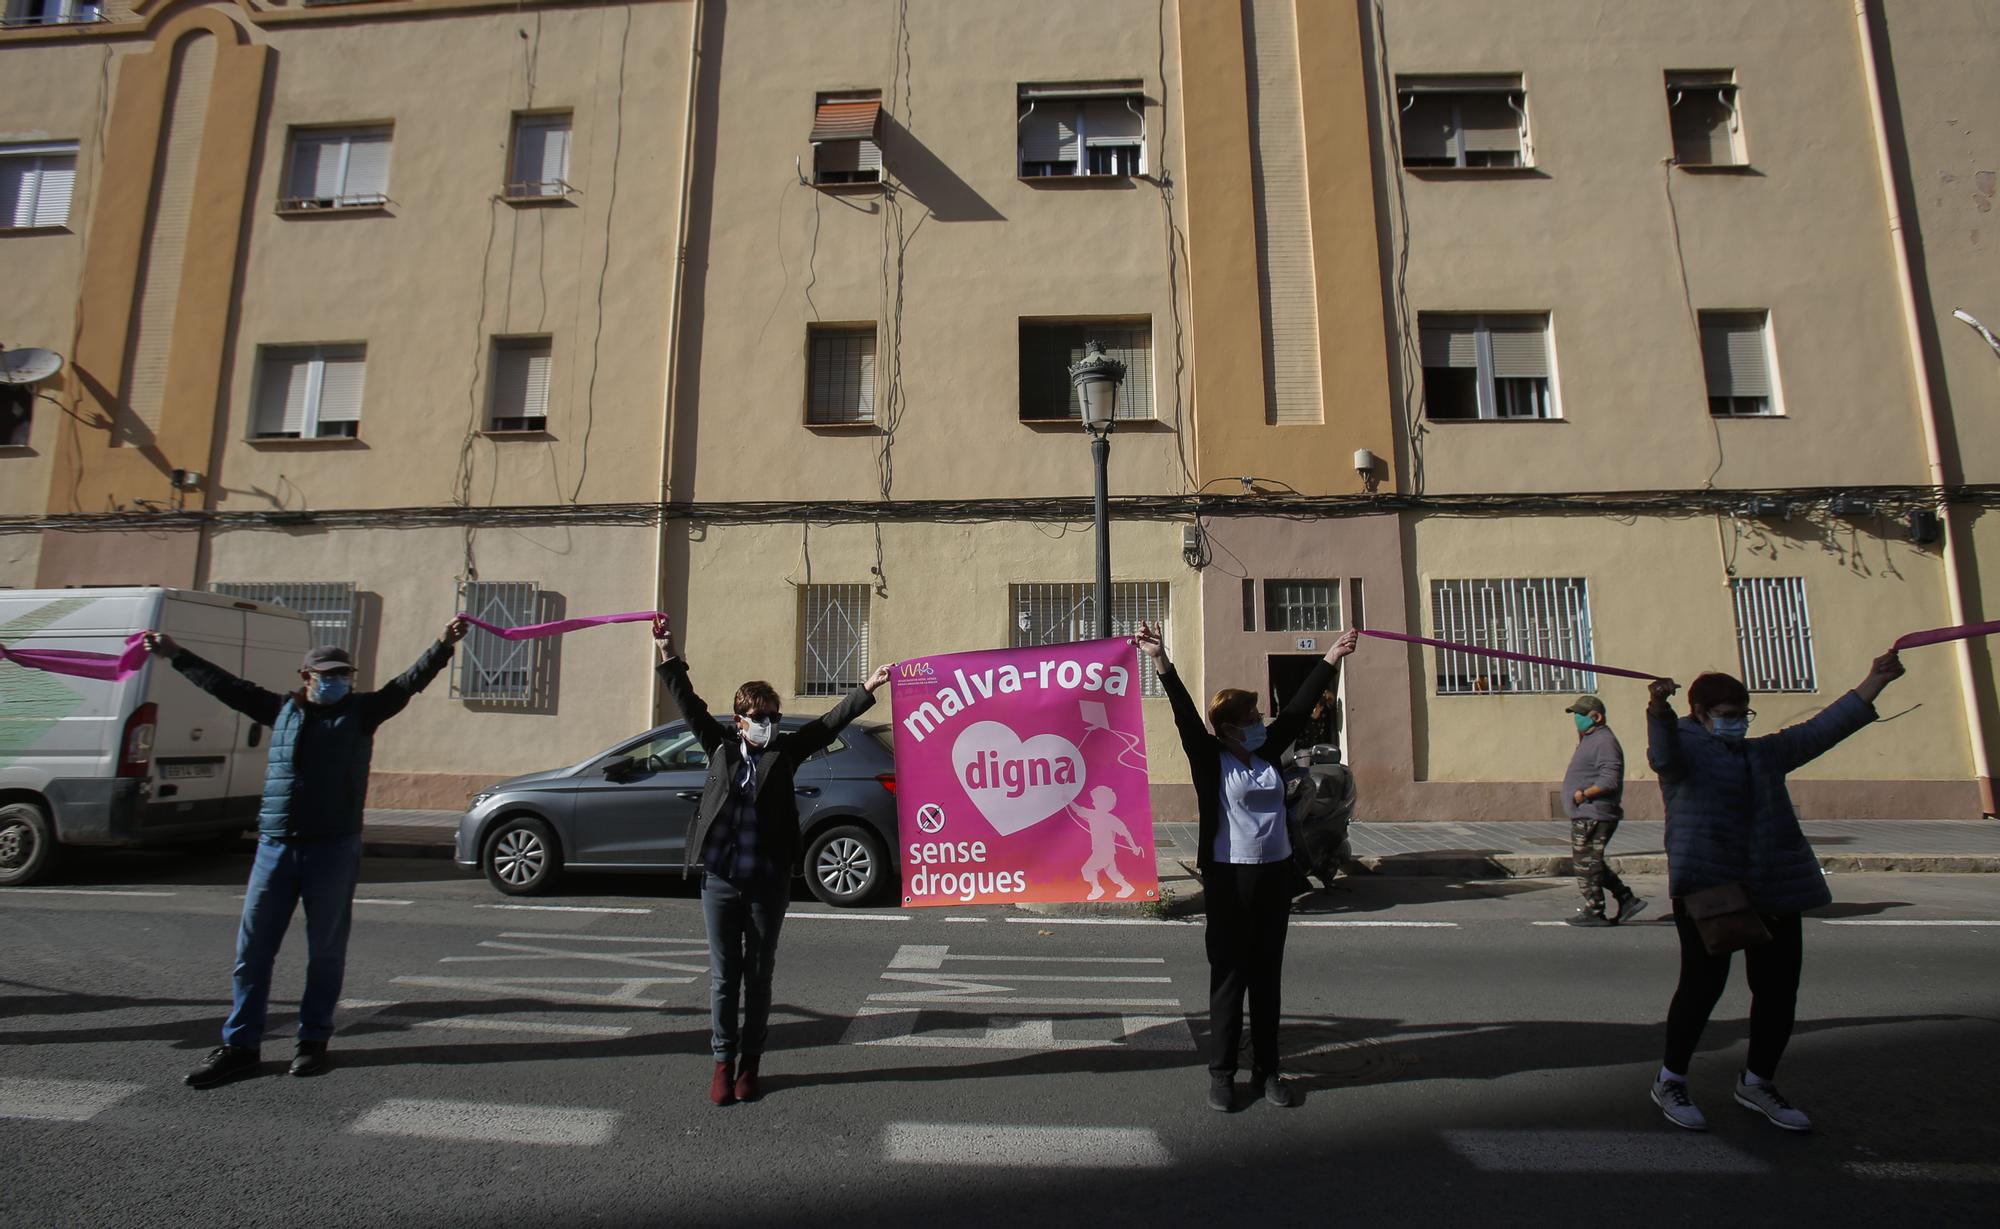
(1730, 821)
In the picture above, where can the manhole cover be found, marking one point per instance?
(1329, 1056)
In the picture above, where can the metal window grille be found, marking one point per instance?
(1301, 605)
(328, 603)
(1774, 633)
(1063, 613)
(1047, 350)
(841, 376)
(833, 639)
(491, 668)
(1546, 617)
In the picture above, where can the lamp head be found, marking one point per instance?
(1097, 376)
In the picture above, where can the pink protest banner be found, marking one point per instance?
(1021, 776)
(561, 627)
(77, 663)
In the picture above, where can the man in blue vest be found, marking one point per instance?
(308, 835)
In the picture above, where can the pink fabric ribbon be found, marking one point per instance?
(1941, 635)
(532, 631)
(105, 667)
(1506, 656)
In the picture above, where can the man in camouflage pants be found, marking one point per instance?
(1591, 791)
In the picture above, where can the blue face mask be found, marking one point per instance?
(1582, 722)
(1251, 736)
(330, 688)
(1735, 729)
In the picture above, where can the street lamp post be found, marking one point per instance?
(1097, 376)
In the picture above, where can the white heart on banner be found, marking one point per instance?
(1016, 783)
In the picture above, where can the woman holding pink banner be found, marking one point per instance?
(1244, 856)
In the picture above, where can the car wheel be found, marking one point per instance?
(846, 865)
(28, 849)
(521, 857)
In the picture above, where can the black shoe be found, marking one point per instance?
(1630, 905)
(224, 1063)
(310, 1059)
(1275, 1091)
(1221, 1091)
(1587, 917)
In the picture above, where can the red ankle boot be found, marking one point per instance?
(746, 1079)
(721, 1089)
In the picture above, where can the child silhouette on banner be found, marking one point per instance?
(1106, 831)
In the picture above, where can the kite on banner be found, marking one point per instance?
(1021, 776)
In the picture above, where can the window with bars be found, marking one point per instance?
(1460, 122)
(846, 136)
(1048, 349)
(491, 668)
(1736, 360)
(328, 603)
(309, 392)
(1544, 617)
(840, 375)
(1707, 127)
(1082, 129)
(1301, 605)
(520, 395)
(833, 639)
(1486, 366)
(36, 182)
(1774, 633)
(50, 12)
(337, 168)
(540, 163)
(1062, 613)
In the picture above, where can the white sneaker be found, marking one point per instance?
(1673, 1099)
(1768, 1101)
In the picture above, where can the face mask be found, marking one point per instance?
(1251, 736)
(330, 688)
(1582, 722)
(1732, 728)
(759, 731)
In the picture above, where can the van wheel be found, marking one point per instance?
(846, 865)
(521, 857)
(28, 849)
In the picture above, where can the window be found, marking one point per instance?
(310, 392)
(1463, 121)
(337, 168)
(1773, 633)
(840, 381)
(1301, 605)
(1486, 366)
(17, 414)
(833, 639)
(846, 129)
(1249, 604)
(1082, 129)
(1048, 349)
(51, 12)
(540, 166)
(1708, 129)
(1065, 613)
(1736, 358)
(1543, 617)
(492, 668)
(520, 397)
(35, 184)
(328, 603)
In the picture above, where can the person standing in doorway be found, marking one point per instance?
(1592, 792)
(308, 835)
(745, 839)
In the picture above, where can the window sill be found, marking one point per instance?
(1078, 181)
(533, 202)
(285, 443)
(1052, 425)
(58, 229)
(517, 433)
(1719, 168)
(850, 189)
(1774, 416)
(1476, 422)
(1477, 172)
(332, 211)
(845, 428)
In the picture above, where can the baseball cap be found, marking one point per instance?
(1586, 704)
(327, 658)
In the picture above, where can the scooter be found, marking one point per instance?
(1319, 806)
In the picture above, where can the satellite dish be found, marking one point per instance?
(28, 365)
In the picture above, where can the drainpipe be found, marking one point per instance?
(674, 337)
(1982, 766)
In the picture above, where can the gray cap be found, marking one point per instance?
(1587, 704)
(327, 658)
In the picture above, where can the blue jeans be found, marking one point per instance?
(323, 875)
(743, 921)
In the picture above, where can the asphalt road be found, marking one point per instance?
(1460, 1060)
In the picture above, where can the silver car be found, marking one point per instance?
(630, 808)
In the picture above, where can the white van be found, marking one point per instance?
(152, 760)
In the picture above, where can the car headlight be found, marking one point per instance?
(480, 800)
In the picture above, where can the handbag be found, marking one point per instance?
(1725, 918)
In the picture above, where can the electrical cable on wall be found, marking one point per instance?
(1163, 181)
(604, 268)
(1409, 347)
(1687, 298)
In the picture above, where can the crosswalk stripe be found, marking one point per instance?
(851, 917)
(80, 892)
(1375, 923)
(1023, 1147)
(568, 908)
(524, 1026)
(476, 1122)
(1093, 921)
(60, 1100)
(1661, 1151)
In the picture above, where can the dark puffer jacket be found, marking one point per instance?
(316, 780)
(1729, 817)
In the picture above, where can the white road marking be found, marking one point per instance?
(523, 1026)
(1369, 1043)
(1663, 1151)
(968, 919)
(896, 1026)
(1374, 923)
(537, 951)
(366, 1004)
(933, 956)
(535, 934)
(568, 908)
(852, 917)
(631, 992)
(79, 892)
(60, 1100)
(1926, 1171)
(1093, 921)
(1012, 1147)
(473, 1122)
(376, 900)
(1854, 921)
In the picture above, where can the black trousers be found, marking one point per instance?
(1774, 991)
(1248, 907)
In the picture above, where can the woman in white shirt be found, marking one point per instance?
(1242, 855)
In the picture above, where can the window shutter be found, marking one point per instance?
(281, 401)
(868, 156)
(367, 165)
(843, 376)
(1733, 354)
(17, 191)
(1490, 125)
(315, 168)
(340, 388)
(555, 151)
(1449, 344)
(1520, 353)
(541, 150)
(52, 194)
(536, 404)
(1049, 133)
(1109, 121)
